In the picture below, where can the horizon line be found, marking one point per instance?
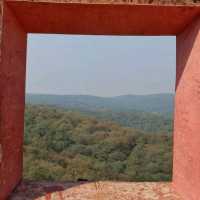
(148, 94)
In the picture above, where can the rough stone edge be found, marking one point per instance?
(121, 2)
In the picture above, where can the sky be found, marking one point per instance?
(100, 65)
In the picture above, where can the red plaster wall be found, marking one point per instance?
(186, 172)
(103, 19)
(12, 87)
(1, 24)
(186, 177)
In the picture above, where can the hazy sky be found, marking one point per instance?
(100, 65)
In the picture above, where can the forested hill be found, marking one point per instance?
(158, 103)
(62, 145)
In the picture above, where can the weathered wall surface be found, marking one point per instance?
(104, 19)
(12, 86)
(156, 2)
(1, 26)
(186, 173)
(186, 178)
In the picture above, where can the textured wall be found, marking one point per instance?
(1, 81)
(156, 2)
(186, 174)
(12, 75)
(103, 19)
(1, 24)
(187, 114)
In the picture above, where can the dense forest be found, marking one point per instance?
(145, 121)
(150, 113)
(62, 144)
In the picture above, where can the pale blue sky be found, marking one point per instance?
(100, 65)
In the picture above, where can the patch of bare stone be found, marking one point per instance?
(94, 191)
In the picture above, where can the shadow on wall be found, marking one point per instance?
(182, 59)
(32, 190)
(103, 190)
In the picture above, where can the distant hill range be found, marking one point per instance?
(156, 103)
(150, 113)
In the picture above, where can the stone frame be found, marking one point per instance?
(19, 17)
